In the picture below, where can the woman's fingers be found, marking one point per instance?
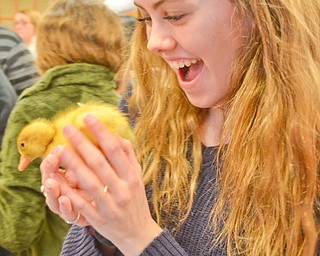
(109, 172)
(52, 177)
(52, 192)
(88, 160)
(120, 163)
(115, 148)
(70, 215)
(67, 209)
(74, 202)
(86, 179)
(50, 164)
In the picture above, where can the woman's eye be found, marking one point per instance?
(144, 19)
(174, 17)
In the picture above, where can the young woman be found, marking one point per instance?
(225, 100)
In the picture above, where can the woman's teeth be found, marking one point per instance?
(181, 63)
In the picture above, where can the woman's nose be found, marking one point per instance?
(160, 40)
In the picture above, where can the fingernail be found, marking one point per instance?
(49, 161)
(60, 202)
(50, 158)
(90, 119)
(56, 150)
(42, 188)
(68, 130)
(47, 186)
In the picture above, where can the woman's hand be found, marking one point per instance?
(60, 204)
(103, 184)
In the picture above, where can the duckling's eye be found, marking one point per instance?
(22, 144)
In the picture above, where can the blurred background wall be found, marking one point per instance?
(9, 7)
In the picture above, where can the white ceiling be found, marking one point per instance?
(119, 6)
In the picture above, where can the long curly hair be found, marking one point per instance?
(268, 181)
(80, 31)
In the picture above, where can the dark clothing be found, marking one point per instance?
(8, 98)
(4, 252)
(17, 72)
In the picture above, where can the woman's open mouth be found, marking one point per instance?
(188, 70)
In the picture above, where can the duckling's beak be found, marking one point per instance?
(24, 162)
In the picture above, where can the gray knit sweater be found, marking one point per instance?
(194, 238)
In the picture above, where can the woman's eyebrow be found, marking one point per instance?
(156, 4)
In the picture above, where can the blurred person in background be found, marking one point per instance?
(8, 98)
(17, 72)
(25, 25)
(78, 58)
(16, 61)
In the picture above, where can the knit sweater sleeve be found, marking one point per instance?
(164, 245)
(80, 242)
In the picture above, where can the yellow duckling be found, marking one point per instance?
(40, 136)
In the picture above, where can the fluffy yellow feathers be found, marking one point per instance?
(40, 136)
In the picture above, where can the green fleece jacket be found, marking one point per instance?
(27, 226)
